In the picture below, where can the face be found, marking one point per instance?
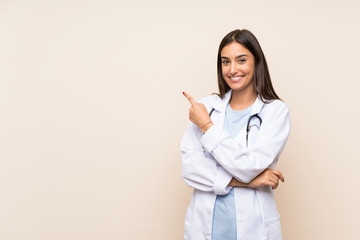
(238, 67)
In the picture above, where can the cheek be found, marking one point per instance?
(224, 71)
(247, 69)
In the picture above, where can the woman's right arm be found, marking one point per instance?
(199, 171)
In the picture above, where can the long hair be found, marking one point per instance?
(262, 80)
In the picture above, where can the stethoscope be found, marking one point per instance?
(247, 125)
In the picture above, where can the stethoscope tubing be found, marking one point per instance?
(247, 125)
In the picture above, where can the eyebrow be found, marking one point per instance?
(242, 55)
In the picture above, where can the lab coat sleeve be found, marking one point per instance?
(198, 171)
(246, 163)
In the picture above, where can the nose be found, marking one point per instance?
(233, 68)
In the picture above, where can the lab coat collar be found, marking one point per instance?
(221, 105)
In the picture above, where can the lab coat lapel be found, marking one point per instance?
(257, 106)
(220, 106)
(255, 110)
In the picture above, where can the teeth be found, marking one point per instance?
(235, 78)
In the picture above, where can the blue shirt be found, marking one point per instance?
(224, 216)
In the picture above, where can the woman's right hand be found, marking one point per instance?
(269, 177)
(198, 114)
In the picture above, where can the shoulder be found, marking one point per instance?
(276, 104)
(209, 101)
(276, 107)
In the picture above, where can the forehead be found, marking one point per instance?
(234, 49)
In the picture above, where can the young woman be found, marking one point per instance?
(231, 146)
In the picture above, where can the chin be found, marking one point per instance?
(237, 88)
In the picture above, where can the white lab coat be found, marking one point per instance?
(200, 153)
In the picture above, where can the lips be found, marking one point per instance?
(236, 79)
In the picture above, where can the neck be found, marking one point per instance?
(242, 100)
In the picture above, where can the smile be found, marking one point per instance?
(236, 79)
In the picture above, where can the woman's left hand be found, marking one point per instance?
(198, 114)
(269, 177)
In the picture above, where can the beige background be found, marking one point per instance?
(91, 112)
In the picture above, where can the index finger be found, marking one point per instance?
(190, 98)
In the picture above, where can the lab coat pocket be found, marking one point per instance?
(272, 229)
(187, 225)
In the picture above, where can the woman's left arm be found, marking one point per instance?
(246, 163)
(269, 177)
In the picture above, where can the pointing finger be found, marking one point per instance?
(191, 100)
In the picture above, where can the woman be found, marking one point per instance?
(228, 157)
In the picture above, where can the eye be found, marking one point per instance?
(242, 60)
(225, 61)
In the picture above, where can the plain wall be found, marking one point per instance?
(91, 112)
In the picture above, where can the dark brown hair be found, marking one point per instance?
(262, 80)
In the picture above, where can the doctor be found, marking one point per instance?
(229, 157)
